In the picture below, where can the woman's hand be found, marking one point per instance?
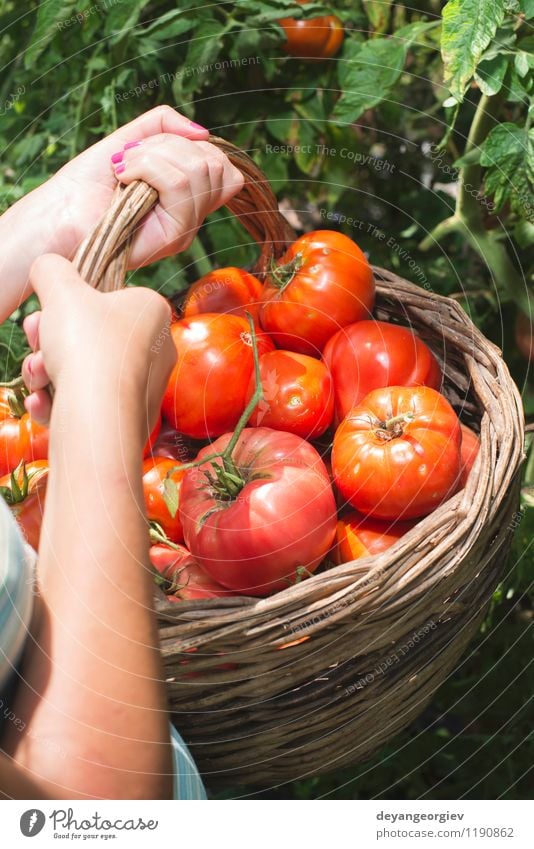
(116, 345)
(170, 153)
(163, 148)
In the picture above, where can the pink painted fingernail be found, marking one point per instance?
(197, 126)
(117, 157)
(128, 145)
(119, 169)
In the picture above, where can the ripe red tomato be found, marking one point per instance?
(468, 452)
(315, 38)
(21, 439)
(175, 445)
(182, 575)
(371, 354)
(397, 454)
(359, 536)
(206, 393)
(224, 290)
(156, 471)
(152, 439)
(283, 518)
(322, 283)
(24, 489)
(298, 394)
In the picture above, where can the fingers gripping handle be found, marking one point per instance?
(102, 259)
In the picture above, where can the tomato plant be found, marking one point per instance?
(397, 454)
(24, 489)
(180, 576)
(371, 354)
(359, 536)
(313, 38)
(256, 522)
(322, 283)
(224, 290)
(298, 395)
(207, 389)
(161, 490)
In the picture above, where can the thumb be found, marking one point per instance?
(53, 278)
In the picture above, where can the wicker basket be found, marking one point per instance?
(317, 677)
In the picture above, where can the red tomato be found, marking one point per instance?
(283, 518)
(371, 354)
(397, 455)
(298, 395)
(322, 283)
(225, 290)
(175, 445)
(156, 470)
(24, 489)
(152, 439)
(468, 452)
(21, 439)
(314, 38)
(182, 574)
(206, 393)
(359, 536)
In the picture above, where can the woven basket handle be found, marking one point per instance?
(102, 259)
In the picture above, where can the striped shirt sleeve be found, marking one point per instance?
(16, 593)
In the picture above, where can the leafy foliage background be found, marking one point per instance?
(417, 142)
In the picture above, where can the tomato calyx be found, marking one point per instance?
(16, 396)
(225, 481)
(19, 484)
(281, 275)
(394, 427)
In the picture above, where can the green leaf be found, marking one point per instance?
(171, 24)
(378, 12)
(508, 156)
(527, 7)
(204, 47)
(170, 496)
(13, 349)
(468, 28)
(121, 17)
(521, 63)
(524, 234)
(53, 16)
(490, 74)
(367, 73)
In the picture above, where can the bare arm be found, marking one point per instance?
(93, 699)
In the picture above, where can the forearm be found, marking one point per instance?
(96, 664)
(31, 227)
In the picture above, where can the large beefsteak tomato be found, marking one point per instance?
(279, 516)
(397, 455)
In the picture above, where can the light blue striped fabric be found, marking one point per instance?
(16, 603)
